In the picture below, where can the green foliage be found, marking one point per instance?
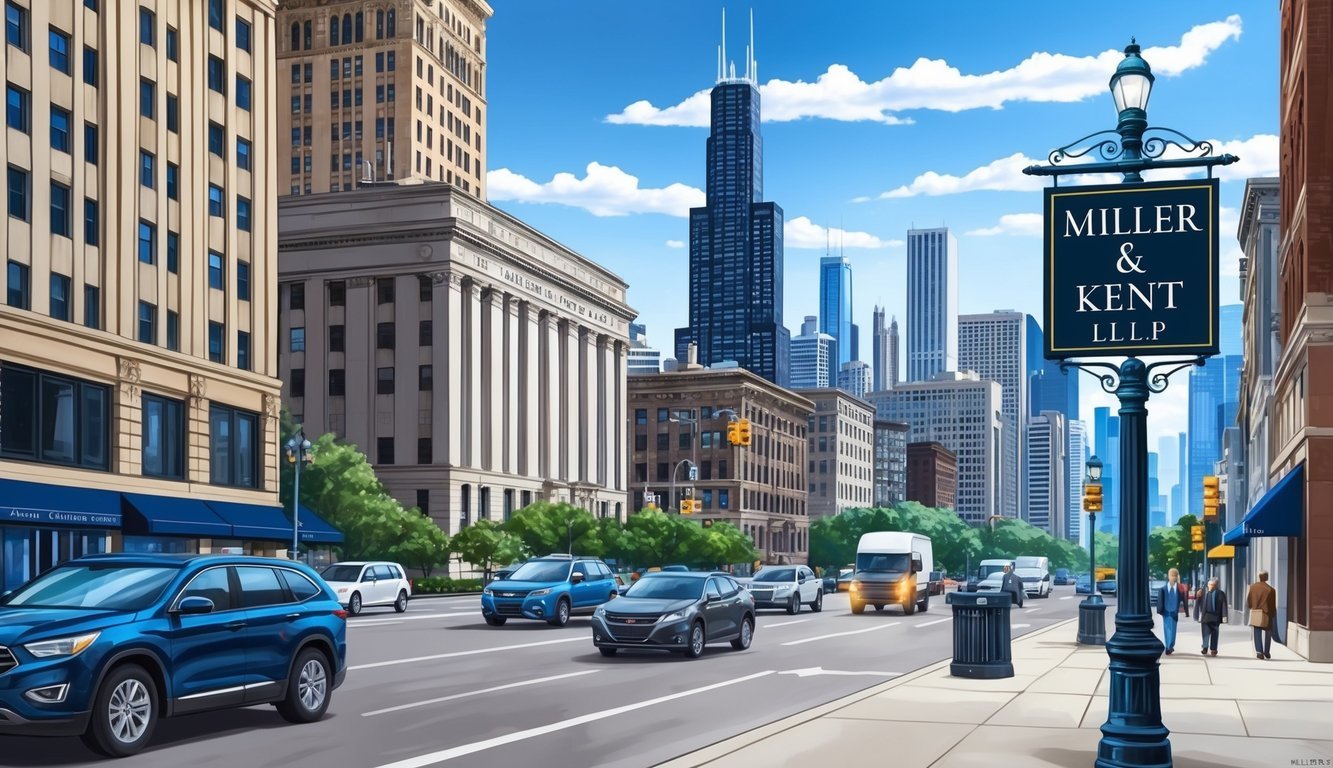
(443, 585)
(422, 545)
(485, 544)
(546, 527)
(1108, 550)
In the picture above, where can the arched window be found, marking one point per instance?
(347, 29)
(392, 25)
(333, 30)
(296, 36)
(307, 32)
(360, 26)
(379, 25)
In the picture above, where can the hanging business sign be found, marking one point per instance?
(1131, 269)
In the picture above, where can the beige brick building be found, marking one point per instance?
(137, 330)
(841, 452)
(387, 90)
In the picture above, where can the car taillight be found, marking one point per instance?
(340, 613)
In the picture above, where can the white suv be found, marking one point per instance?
(786, 586)
(361, 584)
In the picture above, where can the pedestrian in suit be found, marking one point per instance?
(1013, 585)
(1211, 611)
(1173, 600)
(1261, 599)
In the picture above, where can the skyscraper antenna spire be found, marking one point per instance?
(751, 68)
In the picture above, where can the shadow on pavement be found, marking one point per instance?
(523, 625)
(629, 656)
(26, 751)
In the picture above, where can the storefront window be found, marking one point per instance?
(159, 545)
(29, 552)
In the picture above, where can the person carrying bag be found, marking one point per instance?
(1261, 599)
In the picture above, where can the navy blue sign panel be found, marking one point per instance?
(1131, 269)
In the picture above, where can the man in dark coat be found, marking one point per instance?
(1262, 602)
(1211, 611)
(1013, 585)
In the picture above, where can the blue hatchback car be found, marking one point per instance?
(106, 645)
(549, 589)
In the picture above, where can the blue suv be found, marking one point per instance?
(549, 589)
(104, 646)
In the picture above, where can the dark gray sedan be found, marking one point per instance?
(678, 612)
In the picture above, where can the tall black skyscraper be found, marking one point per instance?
(736, 248)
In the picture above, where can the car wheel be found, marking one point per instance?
(909, 607)
(496, 621)
(124, 713)
(794, 605)
(925, 604)
(858, 607)
(400, 604)
(696, 646)
(561, 617)
(354, 604)
(608, 652)
(746, 636)
(818, 604)
(309, 688)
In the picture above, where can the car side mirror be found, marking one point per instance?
(193, 606)
(576, 578)
(916, 566)
(712, 598)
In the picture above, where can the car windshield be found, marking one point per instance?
(883, 563)
(95, 587)
(776, 574)
(342, 573)
(667, 588)
(1029, 573)
(542, 570)
(988, 570)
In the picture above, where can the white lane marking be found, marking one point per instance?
(936, 621)
(474, 652)
(815, 671)
(419, 617)
(433, 758)
(1018, 626)
(841, 634)
(469, 694)
(784, 624)
(1067, 597)
(1032, 610)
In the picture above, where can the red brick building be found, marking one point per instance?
(932, 475)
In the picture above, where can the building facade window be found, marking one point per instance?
(16, 25)
(296, 342)
(59, 51)
(147, 27)
(17, 295)
(147, 242)
(173, 252)
(173, 331)
(243, 281)
(337, 382)
(217, 75)
(90, 65)
(60, 218)
(243, 350)
(216, 342)
(148, 99)
(163, 437)
(147, 323)
(92, 307)
(385, 336)
(384, 290)
(233, 438)
(215, 204)
(384, 381)
(216, 275)
(384, 450)
(60, 306)
(18, 108)
(243, 214)
(60, 129)
(425, 378)
(17, 192)
(337, 338)
(54, 419)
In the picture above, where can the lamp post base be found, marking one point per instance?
(1092, 621)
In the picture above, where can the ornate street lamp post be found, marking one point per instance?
(1133, 734)
(1092, 611)
(298, 453)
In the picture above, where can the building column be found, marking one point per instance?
(569, 421)
(608, 422)
(531, 374)
(473, 342)
(492, 371)
(447, 358)
(550, 405)
(512, 409)
(590, 425)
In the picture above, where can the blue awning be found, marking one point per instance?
(172, 516)
(316, 531)
(254, 521)
(1280, 512)
(25, 503)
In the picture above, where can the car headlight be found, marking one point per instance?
(601, 611)
(781, 588)
(856, 585)
(677, 616)
(487, 591)
(539, 593)
(64, 646)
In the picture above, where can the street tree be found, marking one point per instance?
(486, 544)
(725, 544)
(545, 527)
(656, 538)
(423, 545)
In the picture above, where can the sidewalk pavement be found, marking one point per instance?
(1232, 711)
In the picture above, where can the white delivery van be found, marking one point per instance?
(892, 568)
(1035, 572)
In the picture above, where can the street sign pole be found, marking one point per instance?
(1131, 269)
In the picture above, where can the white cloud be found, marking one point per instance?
(1258, 157)
(1022, 224)
(605, 190)
(801, 232)
(675, 243)
(840, 94)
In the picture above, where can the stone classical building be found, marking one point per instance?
(137, 338)
(761, 489)
(381, 90)
(479, 364)
(890, 462)
(841, 452)
(932, 475)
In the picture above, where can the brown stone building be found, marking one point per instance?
(932, 475)
(760, 488)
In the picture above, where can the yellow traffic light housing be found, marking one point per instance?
(1211, 497)
(1092, 497)
(734, 432)
(745, 436)
(687, 506)
(1196, 538)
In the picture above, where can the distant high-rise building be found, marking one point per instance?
(1214, 399)
(1106, 442)
(1077, 462)
(372, 58)
(894, 361)
(1047, 473)
(891, 462)
(1050, 389)
(1000, 346)
(642, 359)
(835, 306)
(841, 434)
(811, 364)
(937, 411)
(932, 475)
(736, 250)
(1168, 470)
(1154, 466)
(932, 303)
(855, 378)
(879, 348)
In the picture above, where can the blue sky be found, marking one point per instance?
(878, 116)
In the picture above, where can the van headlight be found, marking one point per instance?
(856, 585)
(64, 646)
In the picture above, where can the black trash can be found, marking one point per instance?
(981, 639)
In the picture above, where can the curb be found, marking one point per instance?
(433, 595)
(737, 743)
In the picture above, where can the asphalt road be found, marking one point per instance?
(436, 686)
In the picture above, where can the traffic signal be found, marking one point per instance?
(745, 437)
(1196, 538)
(734, 432)
(688, 506)
(1211, 497)
(1092, 497)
